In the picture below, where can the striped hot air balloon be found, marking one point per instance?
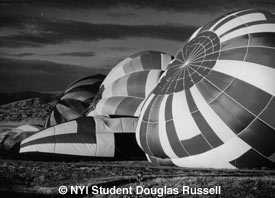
(89, 137)
(75, 100)
(214, 106)
(129, 82)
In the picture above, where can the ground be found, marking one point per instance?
(42, 179)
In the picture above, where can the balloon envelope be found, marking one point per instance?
(18, 134)
(90, 137)
(214, 106)
(75, 100)
(128, 83)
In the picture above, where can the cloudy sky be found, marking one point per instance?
(45, 45)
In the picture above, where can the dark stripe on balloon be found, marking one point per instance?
(168, 108)
(136, 84)
(58, 118)
(95, 82)
(261, 56)
(188, 82)
(143, 137)
(98, 77)
(233, 54)
(266, 39)
(128, 106)
(196, 77)
(75, 105)
(154, 110)
(246, 94)
(146, 115)
(220, 80)
(151, 60)
(206, 130)
(196, 145)
(252, 159)
(191, 104)
(260, 137)
(268, 114)
(208, 91)
(153, 138)
(143, 127)
(234, 115)
(171, 130)
(180, 83)
(174, 141)
(172, 84)
(92, 89)
(87, 125)
(74, 138)
(126, 146)
(235, 42)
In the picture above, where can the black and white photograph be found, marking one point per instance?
(137, 98)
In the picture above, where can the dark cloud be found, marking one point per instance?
(121, 14)
(122, 49)
(36, 32)
(172, 5)
(81, 54)
(15, 42)
(16, 55)
(35, 75)
(23, 54)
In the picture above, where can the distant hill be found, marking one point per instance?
(26, 107)
(6, 98)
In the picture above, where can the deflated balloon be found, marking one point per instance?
(90, 137)
(75, 100)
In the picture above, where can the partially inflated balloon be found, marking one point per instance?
(129, 82)
(90, 137)
(14, 136)
(75, 100)
(214, 106)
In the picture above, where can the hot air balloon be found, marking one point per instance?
(214, 107)
(90, 138)
(14, 136)
(75, 100)
(128, 83)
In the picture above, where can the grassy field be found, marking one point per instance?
(42, 179)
